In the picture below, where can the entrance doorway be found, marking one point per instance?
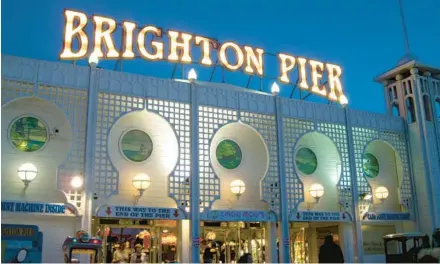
(156, 239)
(307, 237)
(228, 241)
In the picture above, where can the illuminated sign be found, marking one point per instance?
(178, 49)
(320, 216)
(238, 215)
(37, 208)
(371, 216)
(138, 212)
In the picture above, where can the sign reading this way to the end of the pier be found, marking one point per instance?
(149, 43)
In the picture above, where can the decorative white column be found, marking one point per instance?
(183, 245)
(357, 229)
(284, 210)
(347, 239)
(195, 179)
(89, 155)
(271, 242)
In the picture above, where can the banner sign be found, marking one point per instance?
(372, 216)
(152, 43)
(136, 212)
(317, 216)
(38, 208)
(239, 215)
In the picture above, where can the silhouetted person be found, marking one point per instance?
(330, 252)
(207, 255)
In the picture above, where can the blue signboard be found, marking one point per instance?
(239, 215)
(21, 242)
(372, 216)
(35, 207)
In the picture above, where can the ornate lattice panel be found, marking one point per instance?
(73, 102)
(293, 129)
(337, 132)
(111, 107)
(210, 120)
(398, 142)
(265, 125)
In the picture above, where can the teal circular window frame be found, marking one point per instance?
(28, 137)
(306, 161)
(136, 145)
(370, 165)
(228, 154)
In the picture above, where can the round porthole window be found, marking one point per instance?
(28, 134)
(136, 145)
(229, 154)
(370, 166)
(306, 161)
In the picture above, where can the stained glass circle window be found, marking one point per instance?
(28, 134)
(228, 154)
(136, 145)
(306, 161)
(370, 165)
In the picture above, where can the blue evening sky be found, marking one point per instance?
(364, 37)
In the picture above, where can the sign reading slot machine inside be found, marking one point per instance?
(153, 44)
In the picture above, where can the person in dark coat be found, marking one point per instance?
(330, 252)
(207, 255)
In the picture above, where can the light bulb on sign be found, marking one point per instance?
(343, 100)
(192, 75)
(275, 89)
(93, 60)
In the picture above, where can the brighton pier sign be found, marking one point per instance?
(179, 47)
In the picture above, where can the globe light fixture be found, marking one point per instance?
(27, 172)
(237, 187)
(77, 182)
(275, 89)
(141, 182)
(192, 75)
(343, 100)
(316, 191)
(381, 193)
(93, 60)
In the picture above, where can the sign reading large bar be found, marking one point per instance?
(318, 216)
(136, 212)
(239, 215)
(180, 46)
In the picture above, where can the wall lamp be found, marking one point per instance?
(237, 187)
(27, 172)
(141, 182)
(192, 75)
(380, 193)
(77, 182)
(316, 191)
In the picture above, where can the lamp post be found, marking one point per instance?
(237, 187)
(27, 172)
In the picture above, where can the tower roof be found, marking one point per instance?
(404, 68)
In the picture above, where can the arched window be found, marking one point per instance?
(427, 106)
(395, 110)
(410, 110)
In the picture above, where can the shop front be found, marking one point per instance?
(228, 235)
(308, 230)
(160, 233)
(37, 228)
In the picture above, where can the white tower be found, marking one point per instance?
(412, 91)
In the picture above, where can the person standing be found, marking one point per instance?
(138, 256)
(330, 252)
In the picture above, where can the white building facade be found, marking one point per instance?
(269, 175)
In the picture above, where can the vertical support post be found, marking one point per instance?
(195, 180)
(284, 210)
(89, 156)
(271, 242)
(358, 244)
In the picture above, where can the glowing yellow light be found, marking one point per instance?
(192, 75)
(102, 35)
(275, 89)
(78, 32)
(93, 59)
(302, 74)
(27, 172)
(317, 68)
(77, 182)
(206, 50)
(184, 46)
(128, 28)
(287, 63)
(334, 81)
(141, 181)
(157, 46)
(316, 190)
(238, 52)
(343, 100)
(237, 187)
(254, 61)
(381, 193)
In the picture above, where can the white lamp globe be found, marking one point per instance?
(141, 181)
(192, 75)
(93, 60)
(77, 182)
(316, 190)
(275, 89)
(27, 172)
(381, 193)
(237, 187)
